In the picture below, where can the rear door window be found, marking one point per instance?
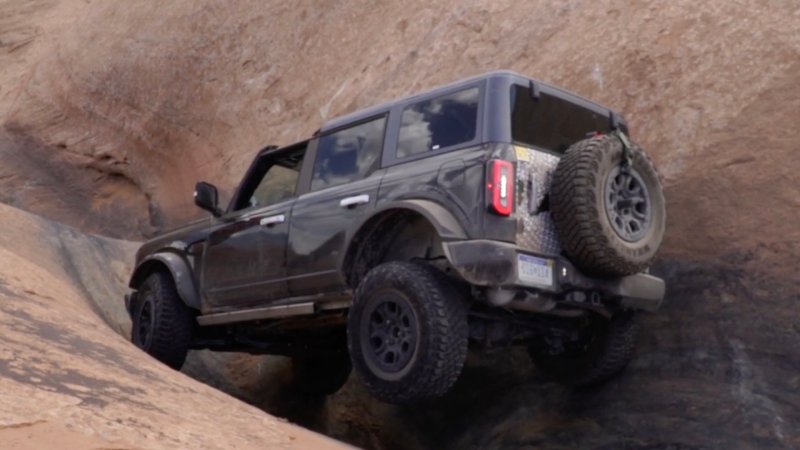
(348, 155)
(438, 123)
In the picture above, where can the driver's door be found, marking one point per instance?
(244, 262)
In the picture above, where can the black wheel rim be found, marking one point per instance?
(145, 323)
(628, 204)
(390, 334)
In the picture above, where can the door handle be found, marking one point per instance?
(352, 202)
(272, 220)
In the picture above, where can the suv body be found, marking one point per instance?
(455, 178)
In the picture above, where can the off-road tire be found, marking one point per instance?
(608, 351)
(578, 206)
(320, 375)
(171, 322)
(440, 313)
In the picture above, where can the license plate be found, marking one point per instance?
(533, 270)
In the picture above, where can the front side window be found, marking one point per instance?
(438, 123)
(273, 179)
(348, 155)
(278, 185)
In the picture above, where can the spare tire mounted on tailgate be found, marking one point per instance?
(608, 206)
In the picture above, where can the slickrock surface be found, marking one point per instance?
(110, 111)
(125, 105)
(67, 380)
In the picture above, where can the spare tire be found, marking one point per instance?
(610, 217)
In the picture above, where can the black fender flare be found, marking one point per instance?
(441, 218)
(443, 221)
(179, 269)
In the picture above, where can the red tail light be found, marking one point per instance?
(500, 187)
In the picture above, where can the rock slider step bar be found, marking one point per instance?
(267, 312)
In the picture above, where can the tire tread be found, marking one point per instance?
(174, 321)
(445, 317)
(578, 220)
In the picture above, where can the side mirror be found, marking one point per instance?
(206, 197)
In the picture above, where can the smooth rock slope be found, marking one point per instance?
(68, 380)
(110, 111)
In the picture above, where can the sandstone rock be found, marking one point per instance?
(167, 95)
(110, 111)
(67, 380)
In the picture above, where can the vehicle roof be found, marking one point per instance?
(383, 107)
(372, 111)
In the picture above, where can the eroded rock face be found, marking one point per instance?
(110, 111)
(716, 368)
(71, 188)
(166, 95)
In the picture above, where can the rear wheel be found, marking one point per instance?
(601, 349)
(407, 332)
(162, 323)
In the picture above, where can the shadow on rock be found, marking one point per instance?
(717, 368)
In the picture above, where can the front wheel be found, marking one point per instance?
(162, 323)
(407, 332)
(601, 349)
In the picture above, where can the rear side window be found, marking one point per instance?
(348, 155)
(441, 122)
(551, 123)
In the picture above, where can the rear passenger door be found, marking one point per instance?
(343, 190)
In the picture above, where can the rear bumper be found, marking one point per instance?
(495, 264)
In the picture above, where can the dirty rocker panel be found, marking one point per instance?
(298, 306)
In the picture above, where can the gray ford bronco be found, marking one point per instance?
(493, 211)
